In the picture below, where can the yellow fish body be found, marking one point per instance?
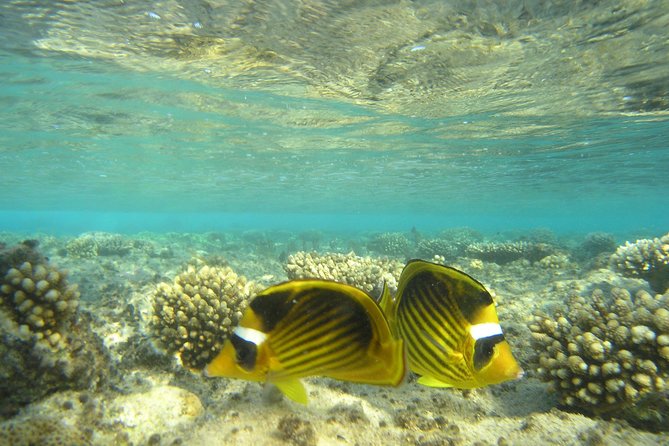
(450, 328)
(311, 328)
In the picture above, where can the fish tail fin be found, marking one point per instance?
(393, 362)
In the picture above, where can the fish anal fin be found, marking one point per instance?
(293, 389)
(288, 384)
(430, 381)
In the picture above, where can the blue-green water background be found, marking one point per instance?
(87, 143)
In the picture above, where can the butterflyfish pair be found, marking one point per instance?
(450, 328)
(311, 328)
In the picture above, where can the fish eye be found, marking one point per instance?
(484, 350)
(245, 352)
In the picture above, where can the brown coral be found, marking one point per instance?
(366, 273)
(39, 300)
(606, 353)
(647, 259)
(45, 342)
(194, 315)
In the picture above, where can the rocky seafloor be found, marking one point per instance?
(114, 359)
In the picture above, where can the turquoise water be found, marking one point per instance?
(94, 136)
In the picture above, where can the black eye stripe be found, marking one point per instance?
(484, 349)
(246, 352)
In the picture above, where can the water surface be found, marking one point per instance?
(325, 114)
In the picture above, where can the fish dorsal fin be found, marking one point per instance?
(388, 308)
(430, 381)
(386, 301)
(293, 389)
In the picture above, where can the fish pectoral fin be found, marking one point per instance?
(430, 381)
(293, 389)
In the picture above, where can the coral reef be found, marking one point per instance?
(559, 261)
(647, 259)
(595, 244)
(450, 244)
(461, 236)
(194, 315)
(264, 244)
(151, 400)
(606, 353)
(310, 239)
(505, 252)
(26, 251)
(390, 243)
(93, 244)
(47, 344)
(366, 273)
(536, 235)
(428, 248)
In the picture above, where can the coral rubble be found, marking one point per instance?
(195, 314)
(43, 431)
(366, 273)
(606, 353)
(647, 259)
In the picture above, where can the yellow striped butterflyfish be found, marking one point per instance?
(306, 328)
(450, 328)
